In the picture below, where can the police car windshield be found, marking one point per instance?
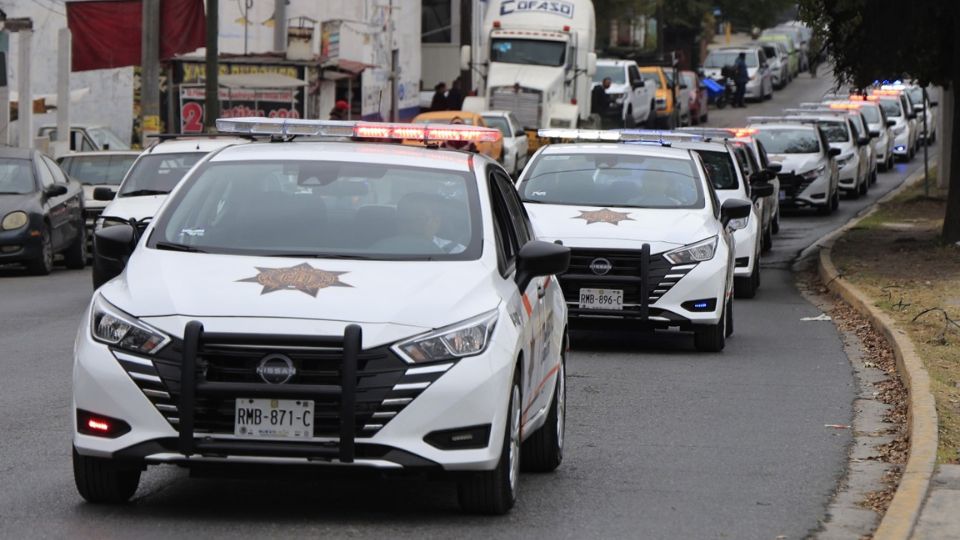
(98, 169)
(620, 180)
(836, 132)
(789, 141)
(891, 106)
(720, 169)
(158, 174)
(325, 209)
(528, 51)
(872, 114)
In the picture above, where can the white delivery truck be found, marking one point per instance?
(536, 61)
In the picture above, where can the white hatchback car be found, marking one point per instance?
(648, 234)
(516, 147)
(328, 304)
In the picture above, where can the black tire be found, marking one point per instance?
(729, 319)
(495, 492)
(865, 186)
(75, 257)
(766, 241)
(775, 226)
(43, 265)
(543, 451)
(711, 337)
(835, 202)
(628, 121)
(651, 122)
(104, 481)
(768, 97)
(746, 287)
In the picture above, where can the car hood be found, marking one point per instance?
(795, 163)
(413, 294)
(12, 203)
(662, 229)
(541, 78)
(134, 207)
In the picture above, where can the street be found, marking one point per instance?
(662, 441)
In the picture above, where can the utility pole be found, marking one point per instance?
(394, 102)
(25, 99)
(211, 103)
(280, 25)
(62, 145)
(149, 69)
(247, 4)
(4, 97)
(466, 38)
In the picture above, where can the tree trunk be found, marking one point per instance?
(951, 221)
(944, 135)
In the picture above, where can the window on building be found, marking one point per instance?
(436, 22)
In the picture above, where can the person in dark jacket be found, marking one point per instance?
(740, 78)
(599, 100)
(455, 95)
(439, 102)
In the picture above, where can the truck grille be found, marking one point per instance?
(385, 383)
(626, 273)
(525, 104)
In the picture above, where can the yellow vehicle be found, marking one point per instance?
(664, 95)
(493, 150)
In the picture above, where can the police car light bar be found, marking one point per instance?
(617, 135)
(765, 119)
(358, 129)
(609, 135)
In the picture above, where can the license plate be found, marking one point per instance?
(273, 418)
(601, 299)
(783, 195)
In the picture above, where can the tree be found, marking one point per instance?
(747, 14)
(871, 40)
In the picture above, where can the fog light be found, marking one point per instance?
(899, 148)
(9, 249)
(705, 304)
(460, 438)
(742, 262)
(819, 196)
(98, 425)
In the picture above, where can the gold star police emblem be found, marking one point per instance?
(604, 215)
(302, 277)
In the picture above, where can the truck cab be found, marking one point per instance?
(537, 62)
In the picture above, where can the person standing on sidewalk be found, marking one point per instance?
(740, 78)
(600, 101)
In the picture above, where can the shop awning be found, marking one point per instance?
(256, 81)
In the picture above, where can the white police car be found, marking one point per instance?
(648, 234)
(328, 303)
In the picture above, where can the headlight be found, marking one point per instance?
(14, 220)
(898, 130)
(813, 174)
(699, 252)
(467, 338)
(560, 123)
(102, 223)
(661, 104)
(843, 160)
(739, 223)
(617, 98)
(111, 326)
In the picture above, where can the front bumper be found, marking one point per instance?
(901, 144)
(849, 173)
(23, 244)
(394, 404)
(798, 192)
(754, 89)
(746, 240)
(654, 290)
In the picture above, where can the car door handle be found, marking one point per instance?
(541, 290)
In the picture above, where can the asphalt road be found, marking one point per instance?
(662, 442)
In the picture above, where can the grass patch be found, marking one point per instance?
(895, 256)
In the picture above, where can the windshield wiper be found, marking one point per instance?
(11, 193)
(172, 246)
(319, 256)
(143, 192)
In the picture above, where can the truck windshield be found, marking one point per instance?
(616, 74)
(528, 51)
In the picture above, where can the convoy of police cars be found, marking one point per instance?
(323, 299)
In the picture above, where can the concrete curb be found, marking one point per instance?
(904, 511)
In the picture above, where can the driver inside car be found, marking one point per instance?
(419, 216)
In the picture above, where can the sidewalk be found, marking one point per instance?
(894, 259)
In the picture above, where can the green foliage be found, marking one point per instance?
(872, 40)
(754, 13)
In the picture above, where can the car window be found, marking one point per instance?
(789, 141)
(745, 161)
(46, 177)
(650, 76)
(514, 122)
(720, 169)
(719, 59)
(326, 208)
(107, 139)
(621, 180)
(158, 173)
(891, 107)
(58, 175)
(507, 245)
(533, 52)
(499, 122)
(16, 177)
(518, 216)
(836, 132)
(633, 73)
(872, 114)
(98, 169)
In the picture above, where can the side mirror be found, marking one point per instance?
(115, 242)
(934, 103)
(103, 194)
(874, 134)
(683, 86)
(891, 123)
(762, 190)
(734, 209)
(537, 258)
(918, 108)
(591, 64)
(55, 190)
(912, 116)
(466, 58)
(637, 83)
(863, 141)
(775, 167)
(833, 152)
(520, 133)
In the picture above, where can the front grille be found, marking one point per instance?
(524, 104)
(626, 273)
(385, 384)
(91, 214)
(793, 184)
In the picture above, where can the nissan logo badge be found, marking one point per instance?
(601, 267)
(276, 369)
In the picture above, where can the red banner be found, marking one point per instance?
(106, 33)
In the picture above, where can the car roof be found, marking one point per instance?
(782, 125)
(495, 113)
(102, 153)
(615, 61)
(15, 153)
(194, 144)
(445, 115)
(352, 152)
(718, 145)
(633, 148)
